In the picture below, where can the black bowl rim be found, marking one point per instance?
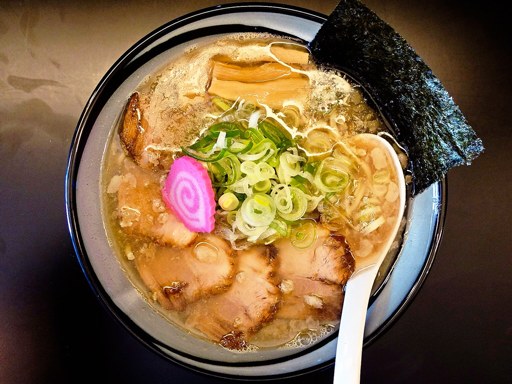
(82, 131)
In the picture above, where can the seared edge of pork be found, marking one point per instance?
(133, 127)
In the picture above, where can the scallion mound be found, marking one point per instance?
(267, 185)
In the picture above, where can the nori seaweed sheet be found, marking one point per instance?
(426, 119)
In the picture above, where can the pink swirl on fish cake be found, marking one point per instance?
(188, 192)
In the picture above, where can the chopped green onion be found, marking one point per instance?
(262, 186)
(304, 235)
(255, 135)
(221, 103)
(280, 227)
(282, 198)
(225, 171)
(313, 202)
(262, 151)
(231, 129)
(289, 165)
(258, 210)
(242, 186)
(298, 204)
(228, 201)
(332, 175)
(292, 115)
(203, 157)
(239, 145)
(272, 132)
(244, 111)
(246, 228)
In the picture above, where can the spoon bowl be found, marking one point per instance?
(347, 368)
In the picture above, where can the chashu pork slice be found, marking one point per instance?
(138, 138)
(231, 317)
(180, 276)
(151, 130)
(312, 279)
(141, 210)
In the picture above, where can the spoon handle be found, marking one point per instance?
(347, 367)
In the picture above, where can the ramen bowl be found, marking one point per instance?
(400, 277)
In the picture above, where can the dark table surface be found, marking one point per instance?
(53, 329)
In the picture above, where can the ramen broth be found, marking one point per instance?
(247, 289)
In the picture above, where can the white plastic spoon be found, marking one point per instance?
(347, 368)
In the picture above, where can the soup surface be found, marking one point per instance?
(250, 240)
